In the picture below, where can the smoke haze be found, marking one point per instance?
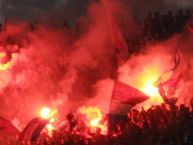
(66, 68)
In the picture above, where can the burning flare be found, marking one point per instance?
(7, 61)
(149, 77)
(145, 82)
(49, 114)
(94, 118)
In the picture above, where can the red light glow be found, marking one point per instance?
(50, 115)
(93, 118)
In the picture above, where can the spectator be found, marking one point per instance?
(170, 23)
(179, 21)
(148, 25)
(156, 25)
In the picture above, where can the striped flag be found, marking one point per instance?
(32, 130)
(124, 97)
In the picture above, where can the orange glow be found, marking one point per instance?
(7, 65)
(148, 79)
(2, 54)
(146, 84)
(93, 118)
(151, 90)
(45, 113)
(94, 122)
(50, 115)
(50, 127)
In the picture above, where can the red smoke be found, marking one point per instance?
(66, 68)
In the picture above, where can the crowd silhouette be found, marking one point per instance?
(158, 26)
(161, 26)
(159, 125)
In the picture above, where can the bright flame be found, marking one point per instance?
(45, 113)
(5, 66)
(9, 64)
(50, 127)
(151, 90)
(94, 118)
(49, 114)
(148, 77)
(94, 122)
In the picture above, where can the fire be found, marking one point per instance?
(49, 114)
(45, 113)
(93, 118)
(151, 90)
(148, 77)
(6, 62)
(94, 122)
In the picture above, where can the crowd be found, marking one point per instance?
(159, 125)
(161, 26)
(157, 26)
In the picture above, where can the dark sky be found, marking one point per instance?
(31, 9)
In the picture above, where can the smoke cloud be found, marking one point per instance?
(67, 68)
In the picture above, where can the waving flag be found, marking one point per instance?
(127, 94)
(167, 77)
(118, 40)
(117, 37)
(6, 127)
(28, 130)
(124, 97)
(38, 130)
(167, 100)
(32, 130)
(171, 82)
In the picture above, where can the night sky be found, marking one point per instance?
(31, 9)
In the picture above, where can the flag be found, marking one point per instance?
(32, 129)
(38, 130)
(6, 127)
(167, 100)
(124, 97)
(118, 40)
(171, 82)
(176, 58)
(127, 94)
(167, 78)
